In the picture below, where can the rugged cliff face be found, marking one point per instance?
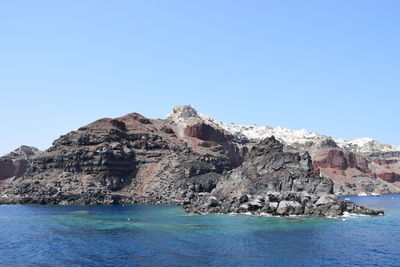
(360, 165)
(15, 164)
(128, 160)
(183, 159)
(355, 173)
(271, 181)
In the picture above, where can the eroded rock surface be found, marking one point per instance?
(14, 165)
(360, 165)
(183, 159)
(271, 181)
(131, 159)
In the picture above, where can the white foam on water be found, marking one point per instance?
(352, 215)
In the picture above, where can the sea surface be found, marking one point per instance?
(141, 235)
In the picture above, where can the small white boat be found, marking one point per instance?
(347, 199)
(375, 194)
(362, 194)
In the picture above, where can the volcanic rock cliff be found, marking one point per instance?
(360, 165)
(183, 159)
(129, 159)
(15, 164)
(271, 181)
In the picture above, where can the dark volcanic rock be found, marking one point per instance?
(275, 182)
(130, 159)
(180, 160)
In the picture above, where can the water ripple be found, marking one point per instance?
(164, 235)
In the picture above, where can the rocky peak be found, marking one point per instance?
(180, 113)
(270, 156)
(23, 152)
(266, 145)
(15, 163)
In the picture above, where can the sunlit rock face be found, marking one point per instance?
(272, 181)
(360, 165)
(182, 113)
(186, 156)
(130, 159)
(14, 164)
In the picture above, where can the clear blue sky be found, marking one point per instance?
(327, 66)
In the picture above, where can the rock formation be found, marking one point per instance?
(131, 159)
(15, 164)
(183, 159)
(360, 165)
(271, 181)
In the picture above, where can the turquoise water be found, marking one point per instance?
(166, 236)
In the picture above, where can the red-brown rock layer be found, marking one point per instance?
(340, 160)
(390, 177)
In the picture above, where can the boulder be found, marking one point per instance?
(272, 206)
(289, 208)
(212, 202)
(243, 199)
(255, 205)
(326, 199)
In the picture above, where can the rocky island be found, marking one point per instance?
(207, 166)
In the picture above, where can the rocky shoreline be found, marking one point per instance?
(276, 204)
(274, 182)
(181, 160)
(272, 205)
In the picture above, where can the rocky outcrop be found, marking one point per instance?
(340, 160)
(354, 173)
(390, 177)
(271, 181)
(214, 137)
(12, 167)
(353, 165)
(129, 159)
(14, 164)
(180, 160)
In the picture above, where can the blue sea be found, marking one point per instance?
(141, 235)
